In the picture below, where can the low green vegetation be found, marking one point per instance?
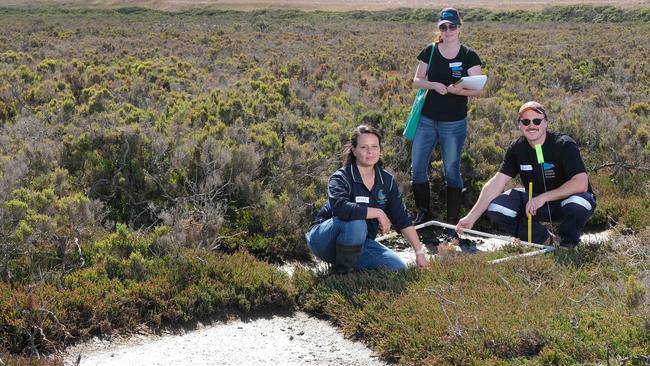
(128, 280)
(155, 166)
(588, 307)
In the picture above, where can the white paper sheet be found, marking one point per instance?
(472, 82)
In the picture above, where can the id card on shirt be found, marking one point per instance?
(361, 199)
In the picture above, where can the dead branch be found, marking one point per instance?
(642, 358)
(32, 344)
(621, 165)
(454, 326)
(55, 320)
(5, 274)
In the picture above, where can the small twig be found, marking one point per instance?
(505, 282)
(583, 298)
(478, 322)
(200, 259)
(81, 256)
(215, 247)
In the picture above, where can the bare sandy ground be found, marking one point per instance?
(337, 5)
(277, 340)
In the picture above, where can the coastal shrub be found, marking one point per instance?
(534, 311)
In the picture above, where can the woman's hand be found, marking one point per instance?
(440, 88)
(420, 251)
(384, 223)
(380, 215)
(453, 89)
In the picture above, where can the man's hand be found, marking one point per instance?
(464, 223)
(533, 205)
(421, 261)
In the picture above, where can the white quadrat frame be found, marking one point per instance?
(543, 248)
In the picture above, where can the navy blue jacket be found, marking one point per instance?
(349, 199)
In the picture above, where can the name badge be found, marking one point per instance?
(525, 168)
(362, 199)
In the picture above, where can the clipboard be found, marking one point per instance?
(476, 82)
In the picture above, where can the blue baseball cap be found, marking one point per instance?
(449, 15)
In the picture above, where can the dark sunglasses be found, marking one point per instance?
(446, 26)
(536, 121)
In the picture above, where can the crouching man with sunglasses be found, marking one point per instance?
(561, 189)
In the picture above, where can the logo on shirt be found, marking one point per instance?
(549, 173)
(456, 69)
(381, 197)
(548, 166)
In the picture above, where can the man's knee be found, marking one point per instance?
(577, 206)
(500, 213)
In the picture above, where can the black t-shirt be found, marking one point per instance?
(561, 162)
(447, 107)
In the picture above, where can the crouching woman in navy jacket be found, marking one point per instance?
(363, 199)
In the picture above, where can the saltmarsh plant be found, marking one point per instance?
(549, 310)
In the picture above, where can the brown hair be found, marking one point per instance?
(437, 36)
(348, 155)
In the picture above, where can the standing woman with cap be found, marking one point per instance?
(444, 114)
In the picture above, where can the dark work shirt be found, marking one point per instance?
(448, 107)
(349, 199)
(562, 161)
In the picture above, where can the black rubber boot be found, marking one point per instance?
(422, 196)
(454, 196)
(346, 256)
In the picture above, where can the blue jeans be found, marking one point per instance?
(322, 240)
(451, 136)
